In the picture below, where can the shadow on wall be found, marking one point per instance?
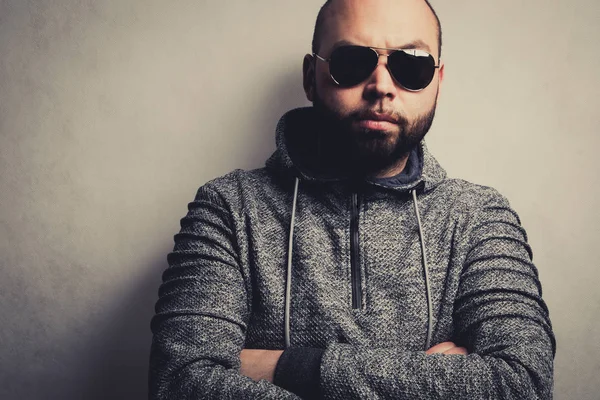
(119, 358)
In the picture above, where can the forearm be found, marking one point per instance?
(343, 371)
(513, 363)
(184, 364)
(349, 373)
(206, 380)
(298, 369)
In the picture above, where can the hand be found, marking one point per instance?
(447, 348)
(259, 364)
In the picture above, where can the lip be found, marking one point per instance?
(378, 125)
(377, 121)
(373, 116)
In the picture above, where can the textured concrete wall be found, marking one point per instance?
(112, 113)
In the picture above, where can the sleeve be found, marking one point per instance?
(298, 371)
(202, 313)
(499, 316)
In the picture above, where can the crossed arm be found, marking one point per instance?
(199, 328)
(261, 364)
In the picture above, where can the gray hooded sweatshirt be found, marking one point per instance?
(355, 279)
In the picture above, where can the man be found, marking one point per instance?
(350, 266)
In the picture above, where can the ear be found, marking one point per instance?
(441, 70)
(309, 75)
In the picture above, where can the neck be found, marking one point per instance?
(393, 170)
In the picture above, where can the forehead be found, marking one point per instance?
(380, 23)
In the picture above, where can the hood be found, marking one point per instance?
(299, 154)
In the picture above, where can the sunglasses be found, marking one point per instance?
(350, 65)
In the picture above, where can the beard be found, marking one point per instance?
(367, 152)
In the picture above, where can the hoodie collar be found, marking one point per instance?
(297, 154)
(411, 172)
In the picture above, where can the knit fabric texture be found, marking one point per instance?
(224, 289)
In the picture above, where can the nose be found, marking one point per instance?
(381, 84)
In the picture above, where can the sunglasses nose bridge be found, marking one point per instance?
(385, 65)
(379, 55)
(381, 81)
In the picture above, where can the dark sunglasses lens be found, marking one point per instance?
(350, 65)
(413, 70)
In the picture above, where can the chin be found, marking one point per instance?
(379, 139)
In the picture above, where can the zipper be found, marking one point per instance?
(355, 274)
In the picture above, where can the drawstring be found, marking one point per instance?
(288, 285)
(288, 288)
(425, 270)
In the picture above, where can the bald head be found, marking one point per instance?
(333, 9)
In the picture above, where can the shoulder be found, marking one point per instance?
(482, 210)
(465, 197)
(238, 186)
(476, 194)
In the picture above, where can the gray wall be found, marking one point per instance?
(113, 112)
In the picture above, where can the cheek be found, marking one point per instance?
(343, 100)
(420, 103)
